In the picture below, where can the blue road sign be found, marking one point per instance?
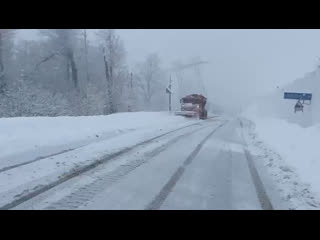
(298, 96)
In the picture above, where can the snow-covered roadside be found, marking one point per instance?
(22, 180)
(25, 139)
(290, 155)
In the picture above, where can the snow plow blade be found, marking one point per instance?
(186, 113)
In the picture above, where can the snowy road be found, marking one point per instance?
(204, 166)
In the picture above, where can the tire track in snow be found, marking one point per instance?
(165, 191)
(87, 192)
(71, 149)
(257, 182)
(58, 153)
(36, 159)
(261, 192)
(80, 170)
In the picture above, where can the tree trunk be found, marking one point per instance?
(149, 94)
(86, 54)
(68, 71)
(74, 72)
(72, 66)
(2, 77)
(110, 106)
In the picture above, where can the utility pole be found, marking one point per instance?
(170, 95)
(86, 53)
(130, 93)
(194, 65)
(168, 90)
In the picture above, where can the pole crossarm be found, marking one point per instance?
(185, 66)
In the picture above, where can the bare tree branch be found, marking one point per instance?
(47, 59)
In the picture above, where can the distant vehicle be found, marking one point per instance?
(193, 106)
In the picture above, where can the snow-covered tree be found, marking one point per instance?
(151, 81)
(62, 44)
(40, 80)
(6, 47)
(114, 64)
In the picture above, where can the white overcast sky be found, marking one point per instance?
(243, 63)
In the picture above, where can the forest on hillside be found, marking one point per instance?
(66, 74)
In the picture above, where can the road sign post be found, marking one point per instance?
(300, 97)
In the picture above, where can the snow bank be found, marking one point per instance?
(298, 146)
(30, 137)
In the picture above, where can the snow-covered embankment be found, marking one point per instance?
(292, 154)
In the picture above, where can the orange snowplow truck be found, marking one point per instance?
(193, 106)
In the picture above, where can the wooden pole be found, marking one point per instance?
(130, 94)
(170, 94)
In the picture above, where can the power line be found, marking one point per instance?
(178, 69)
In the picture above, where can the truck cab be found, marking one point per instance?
(194, 105)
